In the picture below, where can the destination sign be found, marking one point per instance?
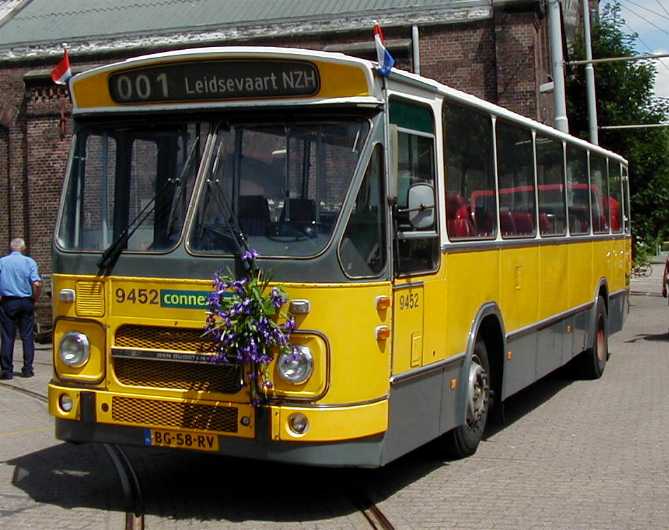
(213, 80)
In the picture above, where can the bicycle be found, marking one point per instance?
(642, 270)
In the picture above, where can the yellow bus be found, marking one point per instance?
(439, 253)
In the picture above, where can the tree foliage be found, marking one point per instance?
(625, 97)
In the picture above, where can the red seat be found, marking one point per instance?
(524, 223)
(506, 223)
(545, 224)
(458, 217)
(614, 208)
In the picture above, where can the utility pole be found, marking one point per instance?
(590, 76)
(557, 65)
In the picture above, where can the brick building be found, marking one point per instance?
(495, 49)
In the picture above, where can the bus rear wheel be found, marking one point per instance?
(464, 440)
(594, 359)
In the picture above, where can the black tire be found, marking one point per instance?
(464, 440)
(593, 360)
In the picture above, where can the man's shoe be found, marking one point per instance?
(27, 373)
(5, 376)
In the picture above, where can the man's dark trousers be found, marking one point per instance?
(17, 312)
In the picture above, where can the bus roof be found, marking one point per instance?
(403, 77)
(342, 80)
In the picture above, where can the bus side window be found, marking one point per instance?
(363, 247)
(418, 247)
(599, 194)
(515, 170)
(550, 178)
(615, 197)
(471, 209)
(577, 190)
(626, 201)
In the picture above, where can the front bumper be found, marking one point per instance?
(337, 436)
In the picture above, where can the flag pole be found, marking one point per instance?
(62, 123)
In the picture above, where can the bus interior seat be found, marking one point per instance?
(614, 208)
(254, 215)
(524, 223)
(545, 223)
(458, 216)
(506, 224)
(301, 212)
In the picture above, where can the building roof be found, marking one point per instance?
(39, 27)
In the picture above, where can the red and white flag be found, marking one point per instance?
(61, 73)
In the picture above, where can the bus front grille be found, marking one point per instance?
(163, 338)
(158, 413)
(90, 299)
(222, 378)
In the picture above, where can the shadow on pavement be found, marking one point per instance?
(662, 337)
(182, 485)
(69, 476)
(209, 488)
(530, 398)
(652, 337)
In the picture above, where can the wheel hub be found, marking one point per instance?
(601, 345)
(477, 392)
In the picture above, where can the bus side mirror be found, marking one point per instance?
(421, 206)
(393, 160)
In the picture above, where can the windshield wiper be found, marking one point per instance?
(230, 220)
(112, 252)
(231, 223)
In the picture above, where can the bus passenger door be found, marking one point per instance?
(416, 238)
(408, 307)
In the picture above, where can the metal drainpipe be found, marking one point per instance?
(10, 228)
(415, 49)
(557, 64)
(590, 75)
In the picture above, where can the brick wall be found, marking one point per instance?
(461, 56)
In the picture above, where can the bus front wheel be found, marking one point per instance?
(464, 440)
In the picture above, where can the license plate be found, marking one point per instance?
(181, 439)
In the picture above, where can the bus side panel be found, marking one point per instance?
(472, 280)
(553, 270)
(617, 281)
(617, 307)
(581, 289)
(520, 370)
(617, 294)
(519, 285)
(602, 261)
(551, 347)
(413, 415)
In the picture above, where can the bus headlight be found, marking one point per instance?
(296, 366)
(74, 349)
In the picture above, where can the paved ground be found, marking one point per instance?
(573, 454)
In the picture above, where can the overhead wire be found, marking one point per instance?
(662, 6)
(647, 9)
(645, 19)
(637, 33)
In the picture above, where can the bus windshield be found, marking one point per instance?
(283, 183)
(124, 174)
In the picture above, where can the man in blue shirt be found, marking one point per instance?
(20, 287)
